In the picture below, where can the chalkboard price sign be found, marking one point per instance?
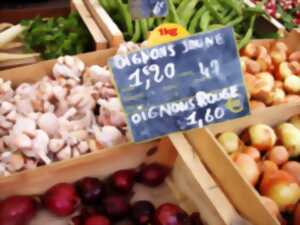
(148, 8)
(181, 85)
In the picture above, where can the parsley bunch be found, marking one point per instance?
(55, 37)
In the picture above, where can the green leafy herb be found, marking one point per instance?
(55, 37)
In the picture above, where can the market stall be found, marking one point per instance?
(168, 112)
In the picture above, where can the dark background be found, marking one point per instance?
(14, 10)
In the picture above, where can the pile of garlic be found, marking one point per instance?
(72, 112)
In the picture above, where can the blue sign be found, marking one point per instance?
(148, 8)
(186, 84)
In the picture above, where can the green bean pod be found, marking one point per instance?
(105, 4)
(150, 23)
(137, 31)
(144, 28)
(172, 16)
(186, 14)
(124, 11)
(213, 11)
(235, 21)
(235, 5)
(244, 41)
(195, 20)
(204, 21)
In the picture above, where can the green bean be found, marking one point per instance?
(233, 4)
(150, 23)
(176, 2)
(195, 20)
(182, 6)
(144, 28)
(257, 10)
(137, 31)
(235, 21)
(105, 5)
(186, 14)
(213, 11)
(172, 16)
(244, 41)
(158, 21)
(229, 17)
(204, 21)
(215, 26)
(124, 11)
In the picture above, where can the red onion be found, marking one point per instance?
(61, 199)
(17, 210)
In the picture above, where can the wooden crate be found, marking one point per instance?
(97, 35)
(99, 41)
(245, 198)
(105, 22)
(190, 182)
(271, 20)
(182, 185)
(115, 36)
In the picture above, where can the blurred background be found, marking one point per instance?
(14, 10)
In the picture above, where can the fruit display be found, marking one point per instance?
(195, 16)
(286, 11)
(268, 158)
(271, 73)
(91, 201)
(71, 112)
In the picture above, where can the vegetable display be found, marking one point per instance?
(269, 160)
(72, 112)
(286, 11)
(271, 73)
(56, 37)
(194, 15)
(91, 201)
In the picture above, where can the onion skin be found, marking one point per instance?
(97, 220)
(247, 166)
(17, 210)
(267, 166)
(170, 214)
(293, 168)
(62, 199)
(252, 152)
(271, 206)
(297, 215)
(262, 136)
(230, 141)
(279, 155)
(281, 187)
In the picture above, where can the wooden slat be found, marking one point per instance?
(272, 20)
(14, 12)
(97, 35)
(105, 22)
(207, 196)
(33, 73)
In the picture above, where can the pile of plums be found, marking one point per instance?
(91, 201)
